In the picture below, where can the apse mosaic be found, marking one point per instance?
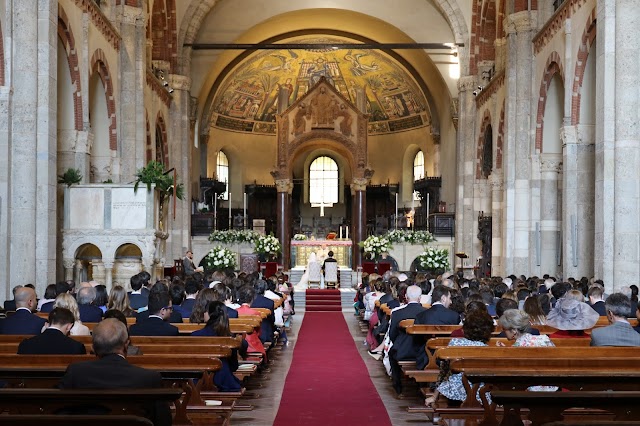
(248, 99)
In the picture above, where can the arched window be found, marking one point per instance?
(323, 181)
(159, 145)
(487, 152)
(418, 170)
(222, 172)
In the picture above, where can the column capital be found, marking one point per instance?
(108, 264)
(359, 184)
(521, 22)
(284, 185)
(496, 180)
(467, 83)
(68, 263)
(550, 163)
(180, 82)
(436, 138)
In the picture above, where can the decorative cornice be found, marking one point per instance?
(496, 83)
(154, 83)
(555, 24)
(284, 185)
(551, 163)
(466, 83)
(359, 184)
(100, 21)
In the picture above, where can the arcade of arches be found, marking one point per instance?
(520, 112)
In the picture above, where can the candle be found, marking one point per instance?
(427, 204)
(340, 231)
(244, 218)
(229, 202)
(396, 218)
(347, 230)
(215, 211)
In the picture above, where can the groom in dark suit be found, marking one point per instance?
(54, 340)
(112, 370)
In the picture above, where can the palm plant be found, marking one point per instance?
(153, 174)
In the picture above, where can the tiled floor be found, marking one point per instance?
(269, 389)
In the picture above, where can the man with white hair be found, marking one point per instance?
(88, 312)
(405, 347)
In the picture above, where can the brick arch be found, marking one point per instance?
(500, 141)
(164, 32)
(552, 67)
(100, 65)
(1, 56)
(588, 37)
(65, 34)
(501, 16)
(164, 152)
(149, 151)
(486, 122)
(488, 31)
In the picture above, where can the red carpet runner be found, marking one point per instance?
(328, 382)
(323, 300)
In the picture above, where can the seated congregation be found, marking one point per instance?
(457, 342)
(208, 334)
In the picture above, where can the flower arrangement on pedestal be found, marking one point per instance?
(299, 237)
(374, 246)
(219, 258)
(434, 259)
(410, 237)
(268, 246)
(234, 236)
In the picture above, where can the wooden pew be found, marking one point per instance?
(47, 370)
(72, 420)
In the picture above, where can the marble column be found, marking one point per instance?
(180, 156)
(550, 167)
(436, 154)
(519, 104)
(359, 214)
(68, 269)
(465, 146)
(32, 39)
(578, 200)
(78, 278)
(283, 229)
(108, 274)
(497, 253)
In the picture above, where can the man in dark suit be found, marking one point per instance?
(191, 290)
(620, 332)
(23, 321)
(54, 340)
(155, 324)
(329, 259)
(138, 298)
(439, 312)
(268, 324)
(88, 312)
(10, 305)
(595, 300)
(405, 347)
(111, 369)
(188, 267)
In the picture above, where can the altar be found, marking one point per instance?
(300, 251)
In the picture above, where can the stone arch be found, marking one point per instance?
(65, 34)
(1, 56)
(100, 65)
(161, 130)
(127, 262)
(87, 257)
(407, 169)
(552, 67)
(322, 139)
(484, 126)
(199, 9)
(500, 141)
(588, 38)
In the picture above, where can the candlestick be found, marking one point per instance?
(229, 202)
(215, 211)
(396, 218)
(340, 231)
(347, 236)
(244, 217)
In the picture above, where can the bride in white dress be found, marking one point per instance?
(304, 280)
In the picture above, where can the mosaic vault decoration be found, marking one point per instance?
(247, 100)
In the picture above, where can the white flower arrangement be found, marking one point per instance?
(219, 258)
(411, 237)
(233, 236)
(374, 245)
(434, 259)
(268, 245)
(299, 237)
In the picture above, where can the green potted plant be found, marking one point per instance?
(154, 174)
(70, 177)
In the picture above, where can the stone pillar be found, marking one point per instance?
(283, 206)
(519, 103)
(465, 148)
(578, 200)
(31, 39)
(497, 253)
(436, 154)
(132, 69)
(108, 274)
(550, 219)
(180, 150)
(78, 272)
(68, 269)
(359, 215)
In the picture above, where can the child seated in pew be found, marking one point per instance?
(218, 325)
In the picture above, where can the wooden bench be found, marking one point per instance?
(72, 420)
(46, 370)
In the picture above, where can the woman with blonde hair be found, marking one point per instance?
(119, 299)
(65, 300)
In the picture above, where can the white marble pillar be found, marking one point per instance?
(466, 220)
(68, 269)
(578, 200)
(180, 156)
(108, 274)
(550, 166)
(78, 277)
(436, 154)
(517, 235)
(32, 41)
(5, 135)
(497, 254)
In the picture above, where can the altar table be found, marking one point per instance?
(300, 251)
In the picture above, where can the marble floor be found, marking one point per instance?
(267, 390)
